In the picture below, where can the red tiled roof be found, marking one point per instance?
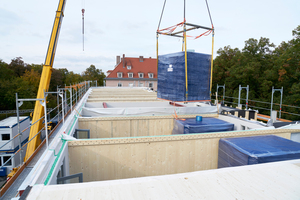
(149, 65)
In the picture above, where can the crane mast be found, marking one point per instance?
(45, 81)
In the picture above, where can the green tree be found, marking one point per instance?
(287, 65)
(5, 72)
(93, 74)
(18, 66)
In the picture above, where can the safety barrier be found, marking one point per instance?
(69, 104)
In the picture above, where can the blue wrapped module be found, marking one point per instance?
(208, 124)
(171, 76)
(256, 149)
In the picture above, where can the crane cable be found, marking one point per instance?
(212, 48)
(83, 10)
(157, 33)
(185, 55)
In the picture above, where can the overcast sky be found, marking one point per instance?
(117, 27)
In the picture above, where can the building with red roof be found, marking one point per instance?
(133, 72)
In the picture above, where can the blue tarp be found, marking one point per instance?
(171, 76)
(208, 124)
(256, 149)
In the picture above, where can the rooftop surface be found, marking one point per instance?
(278, 180)
(11, 121)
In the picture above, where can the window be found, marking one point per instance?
(119, 74)
(141, 84)
(130, 84)
(5, 137)
(150, 85)
(150, 75)
(128, 67)
(119, 84)
(130, 75)
(141, 75)
(82, 133)
(6, 158)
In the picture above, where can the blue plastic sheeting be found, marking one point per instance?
(171, 76)
(208, 124)
(257, 149)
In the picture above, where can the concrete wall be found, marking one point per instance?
(108, 159)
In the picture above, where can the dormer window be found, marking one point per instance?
(119, 74)
(128, 67)
(130, 75)
(150, 75)
(141, 75)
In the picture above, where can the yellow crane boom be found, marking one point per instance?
(44, 82)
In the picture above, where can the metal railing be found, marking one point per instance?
(263, 106)
(69, 102)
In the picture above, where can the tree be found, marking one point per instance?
(287, 66)
(32, 77)
(5, 72)
(18, 66)
(73, 78)
(93, 74)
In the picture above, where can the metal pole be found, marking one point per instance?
(247, 97)
(46, 123)
(239, 96)
(66, 101)
(217, 88)
(221, 86)
(76, 92)
(272, 100)
(62, 100)
(20, 136)
(224, 94)
(57, 104)
(80, 91)
(70, 90)
(280, 101)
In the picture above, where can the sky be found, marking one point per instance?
(118, 27)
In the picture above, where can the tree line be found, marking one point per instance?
(261, 65)
(22, 78)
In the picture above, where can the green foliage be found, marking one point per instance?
(261, 65)
(94, 74)
(19, 77)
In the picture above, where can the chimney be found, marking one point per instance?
(118, 60)
(141, 59)
(123, 60)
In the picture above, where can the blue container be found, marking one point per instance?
(256, 149)
(3, 171)
(171, 76)
(198, 118)
(208, 124)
